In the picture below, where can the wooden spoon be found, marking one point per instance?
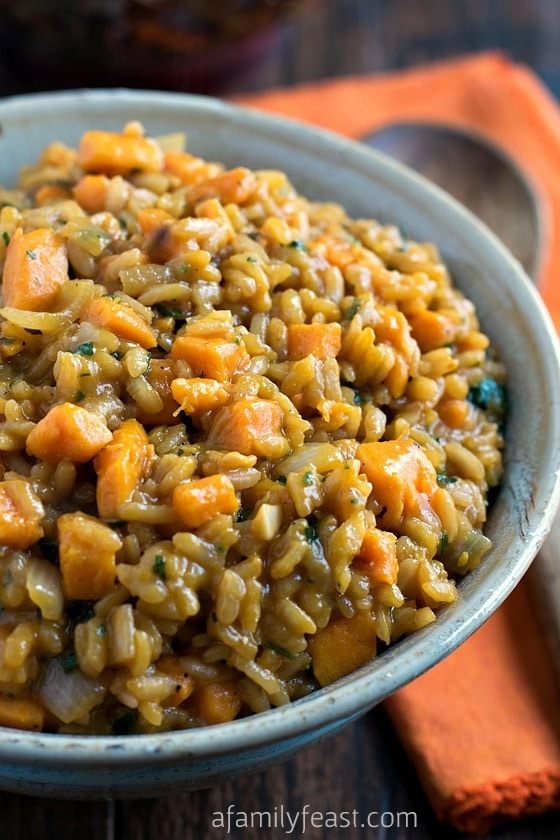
(475, 172)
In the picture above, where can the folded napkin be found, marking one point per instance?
(483, 726)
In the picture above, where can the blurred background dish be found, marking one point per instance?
(201, 46)
(228, 47)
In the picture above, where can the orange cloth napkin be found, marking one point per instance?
(483, 726)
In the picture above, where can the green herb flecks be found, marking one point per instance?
(352, 310)
(159, 566)
(357, 399)
(168, 311)
(281, 651)
(491, 396)
(310, 530)
(69, 661)
(444, 480)
(87, 348)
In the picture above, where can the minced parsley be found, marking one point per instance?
(352, 309)
(69, 662)
(87, 348)
(167, 311)
(490, 396)
(159, 566)
(282, 651)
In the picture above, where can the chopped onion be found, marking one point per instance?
(69, 696)
(323, 456)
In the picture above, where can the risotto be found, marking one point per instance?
(246, 441)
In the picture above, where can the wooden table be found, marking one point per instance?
(362, 770)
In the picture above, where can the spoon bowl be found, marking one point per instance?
(475, 172)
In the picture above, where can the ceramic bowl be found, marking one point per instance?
(322, 166)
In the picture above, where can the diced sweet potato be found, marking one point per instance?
(453, 412)
(378, 556)
(120, 466)
(51, 193)
(216, 702)
(116, 154)
(151, 219)
(252, 427)
(394, 329)
(234, 185)
(320, 340)
(211, 357)
(117, 316)
(339, 252)
(431, 329)
(188, 168)
(87, 550)
(197, 395)
(342, 646)
(68, 432)
(35, 269)
(91, 192)
(21, 713)
(21, 513)
(198, 501)
(402, 476)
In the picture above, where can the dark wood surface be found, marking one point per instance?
(361, 770)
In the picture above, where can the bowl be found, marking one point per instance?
(322, 166)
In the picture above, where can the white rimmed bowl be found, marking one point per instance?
(325, 167)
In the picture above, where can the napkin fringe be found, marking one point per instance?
(476, 809)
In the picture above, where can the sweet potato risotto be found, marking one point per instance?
(246, 442)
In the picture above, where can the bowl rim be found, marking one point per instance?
(352, 695)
